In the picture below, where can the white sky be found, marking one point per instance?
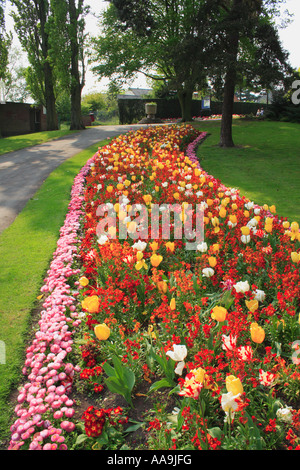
(290, 38)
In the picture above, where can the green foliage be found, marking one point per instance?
(120, 379)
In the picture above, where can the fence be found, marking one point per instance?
(133, 110)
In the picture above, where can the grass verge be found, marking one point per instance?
(18, 142)
(26, 248)
(264, 164)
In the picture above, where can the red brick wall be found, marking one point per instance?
(21, 118)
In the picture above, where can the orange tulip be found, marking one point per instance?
(91, 304)
(257, 333)
(102, 331)
(156, 260)
(219, 313)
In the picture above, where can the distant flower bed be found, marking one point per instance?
(135, 307)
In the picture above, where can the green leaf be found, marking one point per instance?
(215, 433)
(114, 385)
(109, 370)
(134, 427)
(163, 383)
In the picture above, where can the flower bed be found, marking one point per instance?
(210, 335)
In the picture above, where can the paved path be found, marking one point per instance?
(22, 172)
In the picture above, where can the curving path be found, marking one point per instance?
(22, 172)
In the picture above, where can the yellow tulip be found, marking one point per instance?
(91, 304)
(110, 189)
(222, 212)
(162, 287)
(170, 246)
(154, 246)
(257, 333)
(199, 374)
(234, 385)
(83, 281)
(219, 313)
(139, 255)
(285, 224)
(268, 228)
(295, 257)
(252, 305)
(156, 260)
(212, 261)
(245, 230)
(102, 331)
(272, 209)
(131, 227)
(140, 264)
(173, 304)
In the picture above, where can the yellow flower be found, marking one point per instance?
(173, 304)
(245, 230)
(83, 281)
(154, 246)
(257, 333)
(252, 305)
(268, 228)
(199, 374)
(156, 260)
(295, 257)
(131, 227)
(110, 189)
(219, 313)
(222, 212)
(234, 385)
(102, 331)
(140, 264)
(212, 261)
(162, 286)
(147, 198)
(294, 231)
(91, 304)
(170, 246)
(285, 224)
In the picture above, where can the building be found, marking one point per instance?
(21, 118)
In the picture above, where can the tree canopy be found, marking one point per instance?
(185, 43)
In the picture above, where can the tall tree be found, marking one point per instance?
(247, 26)
(5, 41)
(172, 38)
(68, 41)
(31, 20)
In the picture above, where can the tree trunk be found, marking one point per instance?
(226, 139)
(76, 85)
(185, 100)
(52, 122)
(76, 118)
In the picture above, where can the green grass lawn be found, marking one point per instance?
(26, 249)
(264, 165)
(17, 142)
